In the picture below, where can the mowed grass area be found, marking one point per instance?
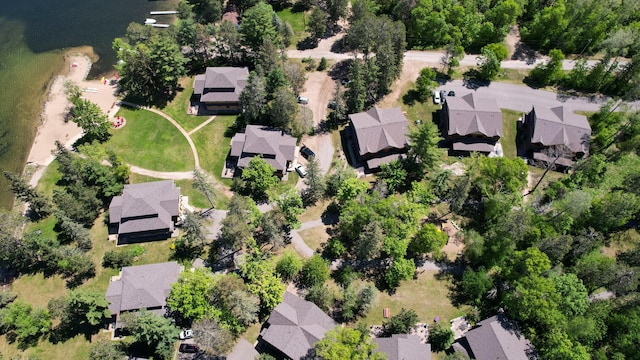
(297, 21)
(213, 143)
(415, 109)
(177, 108)
(150, 141)
(509, 132)
(315, 237)
(428, 296)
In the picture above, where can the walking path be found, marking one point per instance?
(161, 174)
(205, 123)
(175, 123)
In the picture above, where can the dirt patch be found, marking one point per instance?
(319, 89)
(410, 72)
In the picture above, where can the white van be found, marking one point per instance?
(436, 97)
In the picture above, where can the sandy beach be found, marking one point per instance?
(54, 127)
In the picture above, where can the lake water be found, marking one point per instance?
(33, 36)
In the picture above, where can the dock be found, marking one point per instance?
(159, 25)
(163, 12)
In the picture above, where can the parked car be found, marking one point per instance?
(306, 152)
(303, 100)
(188, 348)
(443, 95)
(186, 334)
(436, 97)
(332, 105)
(452, 93)
(301, 170)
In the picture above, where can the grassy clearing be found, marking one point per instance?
(415, 109)
(76, 348)
(621, 241)
(315, 237)
(314, 212)
(513, 76)
(213, 144)
(177, 108)
(297, 20)
(49, 179)
(509, 130)
(428, 296)
(151, 142)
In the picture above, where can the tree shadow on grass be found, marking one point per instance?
(64, 332)
(307, 43)
(411, 97)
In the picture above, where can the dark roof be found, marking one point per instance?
(295, 325)
(560, 126)
(379, 129)
(221, 84)
(497, 338)
(145, 207)
(142, 286)
(470, 115)
(276, 147)
(243, 351)
(403, 347)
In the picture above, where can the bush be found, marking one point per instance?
(322, 296)
(345, 275)
(323, 64)
(117, 259)
(334, 248)
(440, 337)
(289, 265)
(314, 272)
(401, 323)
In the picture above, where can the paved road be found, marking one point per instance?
(431, 57)
(521, 98)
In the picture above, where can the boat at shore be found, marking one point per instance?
(149, 21)
(162, 12)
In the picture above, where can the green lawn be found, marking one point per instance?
(151, 142)
(513, 76)
(48, 181)
(428, 296)
(314, 237)
(177, 108)
(297, 22)
(213, 144)
(415, 109)
(509, 130)
(196, 199)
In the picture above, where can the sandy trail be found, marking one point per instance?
(54, 127)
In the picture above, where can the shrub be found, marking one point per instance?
(289, 265)
(117, 259)
(323, 64)
(315, 272)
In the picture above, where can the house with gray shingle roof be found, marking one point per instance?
(496, 338)
(546, 128)
(142, 287)
(146, 211)
(380, 136)
(471, 123)
(275, 147)
(403, 347)
(293, 327)
(218, 89)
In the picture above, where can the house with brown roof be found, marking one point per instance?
(293, 327)
(145, 212)
(274, 146)
(556, 135)
(496, 338)
(142, 287)
(471, 123)
(218, 89)
(380, 136)
(403, 347)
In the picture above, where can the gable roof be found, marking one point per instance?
(142, 286)
(276, 147)
(497, 338)
(221, 84)
(378, 129)
(470, 115)
(295, 325)
(145, 207)
(560, 126)
(403, 347)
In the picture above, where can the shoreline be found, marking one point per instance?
(53, 125)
